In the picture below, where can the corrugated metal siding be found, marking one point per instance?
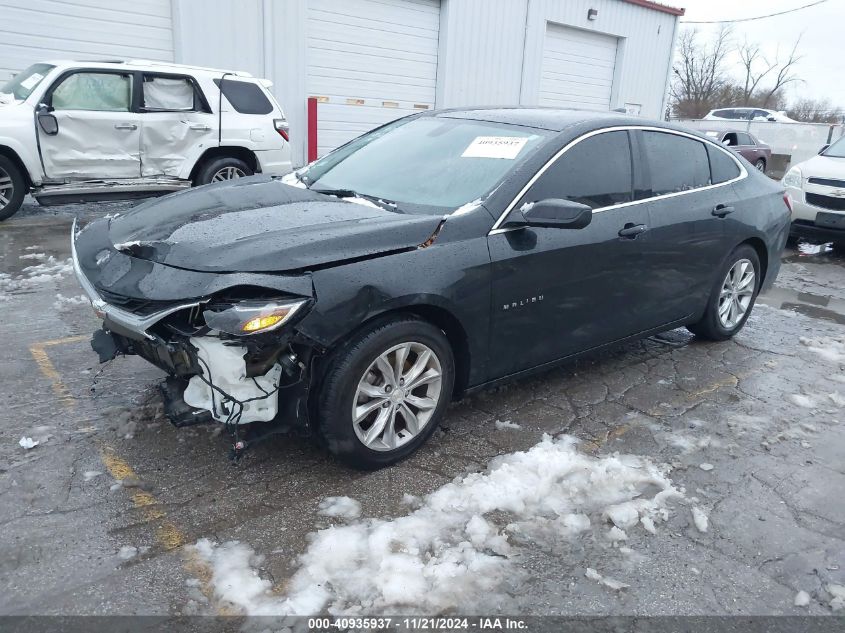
(645, 47)
(364, 55)
(223, 34)
(38, 30)
(481, 44)
(577, 68)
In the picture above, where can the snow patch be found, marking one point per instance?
(127, 551)
(28, 443)
(837, 593)
(607, 581)
(802, 599)
(456, 550)
(803, 401)
(507, 424)
(88, 475)
(467, 208)
(831, 349)
(706, 467)
(341, 507)
(33, 276)
(699, 517)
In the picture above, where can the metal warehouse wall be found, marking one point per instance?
(490, 52)
(39, 30)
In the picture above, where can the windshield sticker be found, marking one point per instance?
(507, 147)
(31, 81)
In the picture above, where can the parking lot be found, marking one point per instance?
(102, 515)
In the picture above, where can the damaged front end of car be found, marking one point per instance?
(231, 351)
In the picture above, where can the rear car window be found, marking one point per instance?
(245, 97)
(596, 172)
(104, 92)
(722, 166)
(677, 163)
(744, 139)
(168, 93)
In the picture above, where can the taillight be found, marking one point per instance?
(787, 201)
(281, 126)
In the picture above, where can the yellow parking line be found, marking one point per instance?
(49, 370)
(62, 341)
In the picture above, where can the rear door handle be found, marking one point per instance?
(721, 210)
(632, 230)
(125, 126)
(200, 127)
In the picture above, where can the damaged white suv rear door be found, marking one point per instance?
(177, 125)
(98, 135)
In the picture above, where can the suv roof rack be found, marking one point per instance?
(148, 62)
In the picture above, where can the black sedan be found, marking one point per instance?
(432, 257)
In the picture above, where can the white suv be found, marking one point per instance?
(80, 131)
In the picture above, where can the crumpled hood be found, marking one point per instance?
(823, 167)
(262, 225)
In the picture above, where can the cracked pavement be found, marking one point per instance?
(765, 410)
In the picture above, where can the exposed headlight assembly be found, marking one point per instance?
(252, 316)
(793, 178)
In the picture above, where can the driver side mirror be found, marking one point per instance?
(46, 119)
(552, 213)
(824, 147)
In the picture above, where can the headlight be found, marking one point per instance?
(793, 178)
(252, 316)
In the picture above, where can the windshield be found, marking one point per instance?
(836, 150)
(428, 161)
(22, 85)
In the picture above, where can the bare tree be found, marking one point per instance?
(751, 56)
(815, 111)
(699, 73)
(786, 73)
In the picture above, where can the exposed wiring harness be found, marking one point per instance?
(235, 410)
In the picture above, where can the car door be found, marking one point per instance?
(177, 125)
(747, 147)
(98, 135)
(560, 291)
(687, 240)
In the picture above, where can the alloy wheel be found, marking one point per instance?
(760, 165)
(736, 294)
(228, 173)
(397, 396)
(7, 188)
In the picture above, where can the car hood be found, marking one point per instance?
(262, 225)
(823, 167)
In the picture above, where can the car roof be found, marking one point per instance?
(143, 64)
(554, 119)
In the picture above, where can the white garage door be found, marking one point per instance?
(39, 30)
(577, 68)
(369, 62)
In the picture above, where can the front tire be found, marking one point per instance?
(222, 169)
(12, 188)
(732, 297)
(385, 392)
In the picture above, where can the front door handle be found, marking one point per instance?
(125, 126)
(721, 210)
(199, 127)
(632, 230)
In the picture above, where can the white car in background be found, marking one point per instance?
(816, 189)
(748, 114)
(85, 131)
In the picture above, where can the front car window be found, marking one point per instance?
(432, 162)
(22, 85)
(105, 92)
(596, 172)
(836, 150)
(676, 163)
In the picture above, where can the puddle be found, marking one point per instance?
(806, 303)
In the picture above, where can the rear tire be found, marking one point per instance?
(222, 169)
(12, 188)
(369, 414)
(760, 165)
(732, 296)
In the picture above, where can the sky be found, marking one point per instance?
(822, 31)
